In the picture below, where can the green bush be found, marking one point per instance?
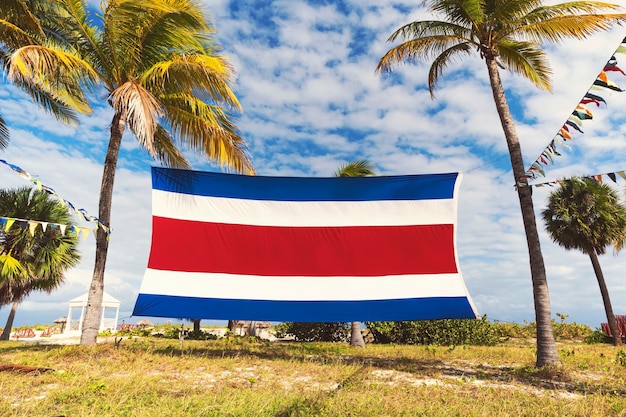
(314, 331)
(562, 330)
(137, 332)
(515, 330)
(597, 336)
(172, 331)
(436, 332)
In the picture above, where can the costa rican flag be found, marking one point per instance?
(237, 247)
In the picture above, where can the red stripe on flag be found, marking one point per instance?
(191, 246)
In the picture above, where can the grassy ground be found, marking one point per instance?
(245, 377)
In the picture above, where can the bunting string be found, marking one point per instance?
(7, 222)
(81, 213)
(574, 123)
(597, 177)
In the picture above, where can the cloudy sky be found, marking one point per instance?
(313, 101)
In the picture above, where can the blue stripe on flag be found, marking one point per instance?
(213, 184)
(304, 311)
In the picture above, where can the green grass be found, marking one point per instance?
(244, 377)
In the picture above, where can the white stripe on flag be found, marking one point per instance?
(308, 213)
(246, 287)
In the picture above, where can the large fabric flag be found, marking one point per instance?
(228, 246)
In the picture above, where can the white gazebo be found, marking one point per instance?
(108, 317)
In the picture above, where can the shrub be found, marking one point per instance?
(561, 329)
(315, 331)
(597, 336)
(436, 332)
(171, 331)
(137, 331)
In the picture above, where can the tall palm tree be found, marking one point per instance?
(506, 34)
(359, 168)
(586, 215)
(33, 259)
(30, 56)
(168, 84)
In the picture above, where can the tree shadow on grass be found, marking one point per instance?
(447, 371)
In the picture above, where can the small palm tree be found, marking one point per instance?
(167, 83)
(34, 260)
(50, 73)
(359, 168)
(506, 34)
(586, 215)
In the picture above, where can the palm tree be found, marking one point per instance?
(33, 259)
(586, 215)
(506, 34)
(359, 168)
(50, 73)
(167, 82)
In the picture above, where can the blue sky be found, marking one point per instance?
(313, 101)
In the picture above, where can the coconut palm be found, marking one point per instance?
(33, 259)
(167, 83)
(506, 34)
(49, 72)
(359, 168)
(586, 215)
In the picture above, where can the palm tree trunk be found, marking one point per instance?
(356, 337)
(91, 322)
(547, 353)
(617, 339)
(6, 333)
(196, 325)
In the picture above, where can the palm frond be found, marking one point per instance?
(4, 133)
(56, 72)
(14, 36)
(167, 152)
(577, 20)
(206, 76)
(141, 110)
(11, 269)
(528, 60)
(207, 129)
(49, 102)
(358, 168)
(442, 61)
(424, 40)
(71, 23)
(466, 13)
(148, 31)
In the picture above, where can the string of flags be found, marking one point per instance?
(597, 177)
(574, 123)
(81, 213)
(32, 225)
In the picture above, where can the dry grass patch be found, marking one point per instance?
(244, 377)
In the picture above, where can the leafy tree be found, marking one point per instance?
(586, 215)
(506, 34)
(359, 168)
(49, 72)
(314, 331)
(166, 81)
(37, 259)
(443, 332)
